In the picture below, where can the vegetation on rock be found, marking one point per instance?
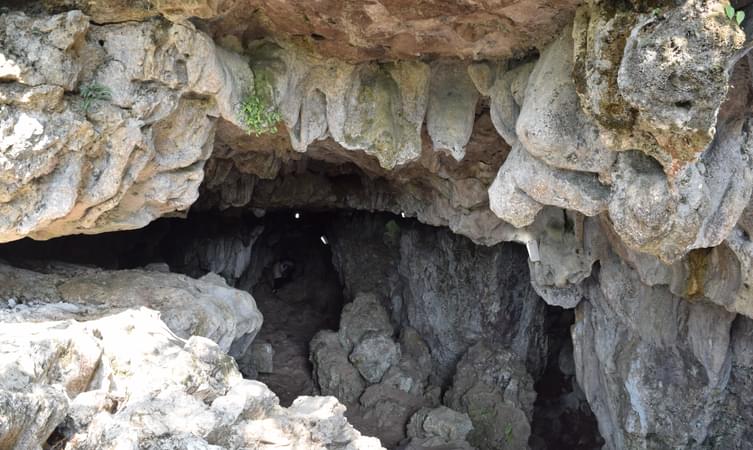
(91, 92)
(257, 110)
(737, 16)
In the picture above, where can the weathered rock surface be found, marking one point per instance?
(94, 121)
(493, 387)
(453, 293)
(654, 79)
(438, 428)
(634, 120)
(429, 289)
(352, 30)
(383, 380)
(206, 307)
(126, 381)
(654, 367)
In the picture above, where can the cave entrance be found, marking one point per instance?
(441, 295)
(298, 291)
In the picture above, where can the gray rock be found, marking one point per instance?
(332, 371)
(28, 417)
(652, 366)
(507, 96)
(374, 355)
(386, 411)
(262, 357)
(452, 107)
(122, 158)
(647, 90)
(125, 380)
(530, 183)
(494, 389)
(551, 126)
(363, 315)
(441, 272)
(441, 422)
(509, 202)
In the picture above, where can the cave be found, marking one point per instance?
(302, 266)
(397, 225)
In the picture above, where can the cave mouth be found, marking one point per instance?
(298, 291)
(294, 263)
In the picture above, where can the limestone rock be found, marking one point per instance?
(144, 387)
(452, 108)
(262, 357)
(433, 274)
(506, 97)
(697, 209)
(94, 137)
(374, 355)
(664, 358)
(188, 306)
(382, 381)
(509, 202)
(390, 30)
(730, 429)
(123, 11)
(547, 185)
(568, 246)
(29, 417)
(726, 278)
(551, 126)
(332, 371)
(649, 89)
(228, 253)
(386, 411)
(441, 273)
(494, 389)
(365, 314)
(442, 424)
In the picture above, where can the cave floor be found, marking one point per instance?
(289, 326)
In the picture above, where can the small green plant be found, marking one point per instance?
(737, 16)
(508, 433)
(259, 116)
(91, 92)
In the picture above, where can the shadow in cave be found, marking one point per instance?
(562, 417)
(298, 291)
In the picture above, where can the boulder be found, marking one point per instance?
(190, 307)
(493, 388)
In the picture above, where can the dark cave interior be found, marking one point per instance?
(247, 249)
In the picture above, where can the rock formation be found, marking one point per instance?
(126, 381)
(612, 139)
